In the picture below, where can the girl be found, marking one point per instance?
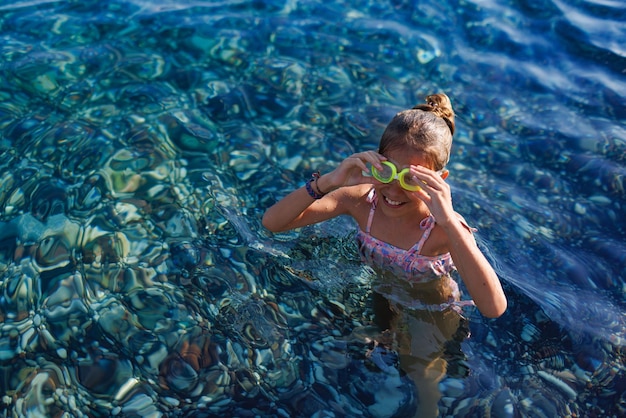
(408, 232)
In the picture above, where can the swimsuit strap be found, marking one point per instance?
(371, 197)
(427, 225)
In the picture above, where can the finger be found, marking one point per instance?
(420, 194)
(432, 185)
(360, 163)
(429, 178)
(356, 160)
(424, 197)
(375, 159)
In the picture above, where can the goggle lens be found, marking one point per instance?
(387, 174)
(408, 182)
(390, 173)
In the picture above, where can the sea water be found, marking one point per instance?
(141, 142)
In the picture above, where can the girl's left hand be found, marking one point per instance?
(435, 193)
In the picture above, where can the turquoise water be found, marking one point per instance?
(141, 142)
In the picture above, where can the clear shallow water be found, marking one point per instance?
(141, 142)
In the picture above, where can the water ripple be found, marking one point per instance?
(141, 142)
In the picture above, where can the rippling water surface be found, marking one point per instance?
(141, 142)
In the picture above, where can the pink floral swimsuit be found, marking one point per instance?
(408, 264)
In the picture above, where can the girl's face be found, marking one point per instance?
(395, 199)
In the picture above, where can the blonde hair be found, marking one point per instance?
(426, 128)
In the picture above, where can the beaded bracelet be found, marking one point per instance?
(317, 176)
(309, 187)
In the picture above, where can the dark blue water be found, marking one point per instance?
(141, 142)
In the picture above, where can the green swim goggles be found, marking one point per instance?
(390, 173)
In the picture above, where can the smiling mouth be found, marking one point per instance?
(392, 202)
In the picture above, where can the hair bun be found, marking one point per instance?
(440, 105)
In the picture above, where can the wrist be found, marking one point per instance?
(324, 184)
(313, 187)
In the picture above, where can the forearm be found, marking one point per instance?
(479, 277)
(299, 208)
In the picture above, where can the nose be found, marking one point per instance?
(395, 187)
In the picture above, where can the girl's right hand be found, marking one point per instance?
(350, 171)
